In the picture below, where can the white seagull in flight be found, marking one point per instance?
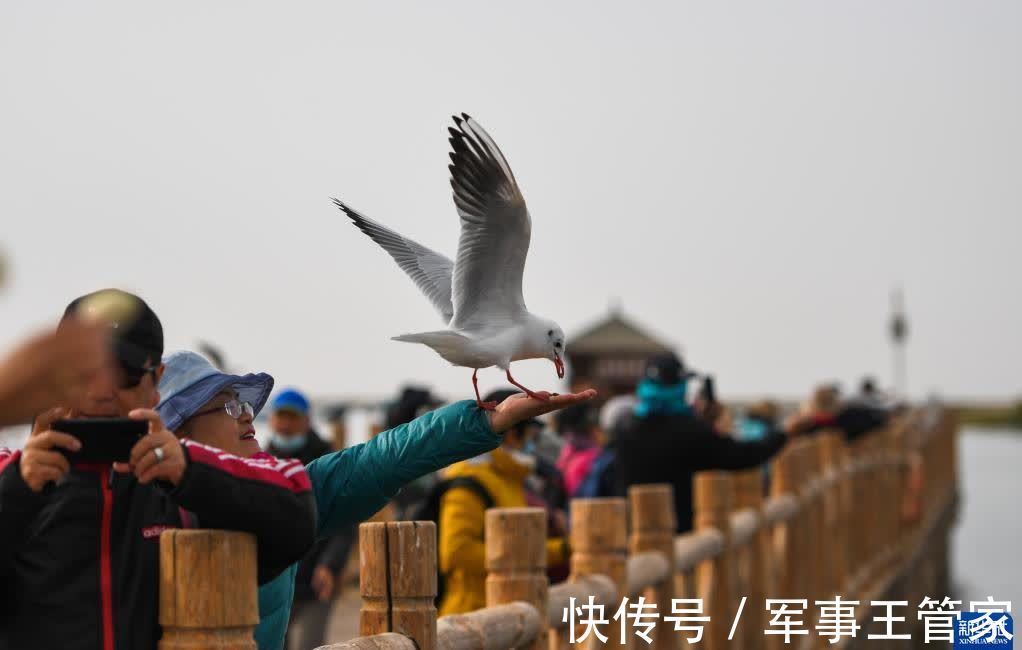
(479, 296)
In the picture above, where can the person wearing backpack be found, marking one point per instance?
(493, 479)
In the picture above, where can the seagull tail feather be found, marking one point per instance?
(449, 345)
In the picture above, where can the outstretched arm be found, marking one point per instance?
(711, 450)
(352, 484)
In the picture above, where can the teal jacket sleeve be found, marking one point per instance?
(352, 484)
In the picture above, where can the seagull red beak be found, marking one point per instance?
(559, 365)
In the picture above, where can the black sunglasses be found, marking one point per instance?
(132, 377)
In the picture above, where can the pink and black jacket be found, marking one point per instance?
(79, 562)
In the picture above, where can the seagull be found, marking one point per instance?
(479, 296)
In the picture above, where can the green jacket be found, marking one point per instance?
(353, 484)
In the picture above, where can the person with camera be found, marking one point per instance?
(79, 541)
(664, 440)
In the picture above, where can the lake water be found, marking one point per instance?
(988, 538)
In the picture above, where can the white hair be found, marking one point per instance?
(614, 410)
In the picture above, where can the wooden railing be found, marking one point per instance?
(847, 521)
(861, 521)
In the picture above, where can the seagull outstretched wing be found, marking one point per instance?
(495, 232)
(430, 270)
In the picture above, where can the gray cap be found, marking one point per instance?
(190, 381)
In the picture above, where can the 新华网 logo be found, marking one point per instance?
(984, 628)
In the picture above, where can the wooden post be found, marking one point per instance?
(786, 478)
(516, 561)
(868, 506)
(846, 497)
(815, 556)
(712, 499)
(892, 505)
(749, 494)
(858, 512)
(374, 616)
(834, 523)
(208, 590)
(397, 580)
(412, 549)
(599, 545)
(786, 538)
(653, 524)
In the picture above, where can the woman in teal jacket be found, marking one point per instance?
(353, 484)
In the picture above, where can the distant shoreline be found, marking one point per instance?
(991, 417)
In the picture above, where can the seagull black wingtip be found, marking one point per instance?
(351, 214)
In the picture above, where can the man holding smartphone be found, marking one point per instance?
(79, 542)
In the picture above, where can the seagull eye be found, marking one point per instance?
(550, 333)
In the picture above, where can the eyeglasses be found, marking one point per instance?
(131, 376)
(233, 408)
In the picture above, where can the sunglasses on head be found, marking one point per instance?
(131, 377)
(233, 408)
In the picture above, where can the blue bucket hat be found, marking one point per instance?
(190, 381)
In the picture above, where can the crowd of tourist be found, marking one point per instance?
(79, 552)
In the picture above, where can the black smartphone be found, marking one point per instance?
(104, 440)
(709, 390)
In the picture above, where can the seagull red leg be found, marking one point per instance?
(542, 395)
(486, 406)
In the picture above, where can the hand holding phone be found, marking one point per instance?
(43, 460)
(158, 456)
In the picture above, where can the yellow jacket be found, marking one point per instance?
(462, 517)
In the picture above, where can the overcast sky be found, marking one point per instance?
(749, 179)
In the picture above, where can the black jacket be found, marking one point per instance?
(331, 551)
(79, 562)
(852, 420)
(671, 448)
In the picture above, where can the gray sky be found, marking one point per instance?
(750, 179)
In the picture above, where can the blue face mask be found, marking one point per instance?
(660, 399)
(288, 444)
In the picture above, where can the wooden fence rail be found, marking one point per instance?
(851, 520)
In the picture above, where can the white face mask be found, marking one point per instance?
(288, 444)
(522, 458)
